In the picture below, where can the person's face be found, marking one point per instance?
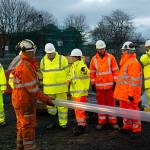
(124, 51)
(73, 59)
(147, 49)
(51, 56)
(101, 51)
(30, 54)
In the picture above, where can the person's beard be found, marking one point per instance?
(101, 53)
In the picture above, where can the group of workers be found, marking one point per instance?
(110, 82)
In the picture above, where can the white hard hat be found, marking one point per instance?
(100, 44)
(76, 52)
(26, 45)
(147, 43)
(126, 45)
(49, 48)
(129, 46)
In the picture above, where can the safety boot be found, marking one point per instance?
(50, 126)
(99, 127)
(3, 124)
(147, 109)
(64, 127)
(115, 126)
(52, 123)
(126, 129)
(79, 130)
(135, 135)
(136, 128)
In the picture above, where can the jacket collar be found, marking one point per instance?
(126, 57)
(56, 56)
(98, 57)
(32, 62)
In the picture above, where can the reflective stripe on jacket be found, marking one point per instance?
(3, 83)
(103, 71)
(54, 74)
(145, 59)
(11, 80)
(129, 80)
(80, 81)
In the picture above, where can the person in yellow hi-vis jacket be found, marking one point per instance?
(145, 59)
(54, 69)
(79, 79)
(3, 87)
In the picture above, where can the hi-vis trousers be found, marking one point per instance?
(26, 123)
(131, 124)
(2, 114)
(80, 114)
(62, 111)
(105, 97)
(148, 96)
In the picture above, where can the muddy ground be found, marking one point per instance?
(58, 139)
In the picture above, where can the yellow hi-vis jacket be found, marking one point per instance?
(145, 59)
(3, 83)
(54, 74)
(11, 80)
(79, 80)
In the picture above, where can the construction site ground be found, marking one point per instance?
(58, 139)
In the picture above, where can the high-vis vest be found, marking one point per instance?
(3, 86)
(145, 59)
(79, 80)
(103, 71)
(54, 74)
(3, 83)
(11, 80)
(129, 80)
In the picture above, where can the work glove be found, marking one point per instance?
(148, 53)
(83, 69)
(131, 98)
(114, 85)
(117, 102)
(140, 106)
(93, 88)
(50, 101)
(3, 92)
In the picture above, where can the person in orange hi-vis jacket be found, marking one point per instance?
(103, 73)
(24, 95)
(128, 85)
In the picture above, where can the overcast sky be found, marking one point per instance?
(94, 9)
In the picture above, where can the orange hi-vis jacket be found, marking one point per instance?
(26, 89)
(129, 80)
(103, 71)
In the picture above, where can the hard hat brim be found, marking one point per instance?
(100, 47)
(49, 52)
(31, 50)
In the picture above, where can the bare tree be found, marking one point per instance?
(47, 18)
(7, 9)
(18, 16)
(138, 38)
(114, 29)
(12, 17)
(78, 22)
